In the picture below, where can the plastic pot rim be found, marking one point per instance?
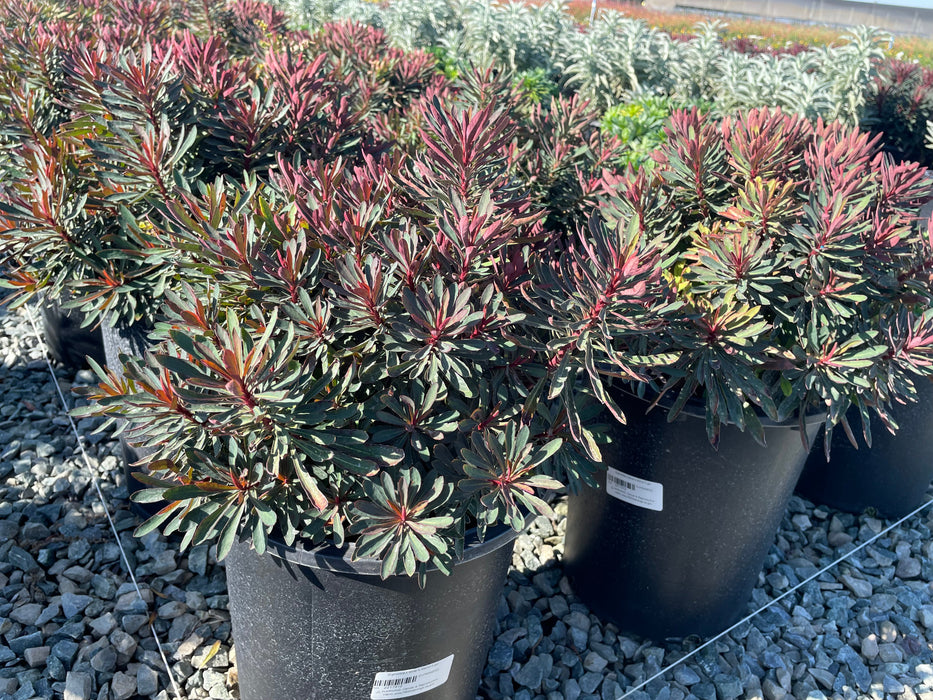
(329, 557)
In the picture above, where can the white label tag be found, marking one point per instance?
(403, 684)
(631, 489)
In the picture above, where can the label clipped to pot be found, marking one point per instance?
(631, 489)
(403, 684)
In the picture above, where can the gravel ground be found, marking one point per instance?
(72, 624)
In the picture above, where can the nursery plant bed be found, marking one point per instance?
(540, 627)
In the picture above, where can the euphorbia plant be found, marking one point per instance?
(794, 267)
(109, 114)
(349, 362)
(899, 104)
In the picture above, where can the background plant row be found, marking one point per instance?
(857, 78)
(755, 35)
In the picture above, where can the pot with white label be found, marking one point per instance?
(892, 476)
(673, 546)
(310, 623)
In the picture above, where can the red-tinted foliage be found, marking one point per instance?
(900, 103)
(798, 276)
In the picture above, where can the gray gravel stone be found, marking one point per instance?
(860, 673)
(27, 641)
(578, 620)
(926, 616)
(105, 660)
(132, 623)
(594, 662)
(78, 686)
(122, 686)
(500, 656)
(26, 614)
(532, 673)
(908, 568)
(727, 687)
(123, 643)
(21, 559)
(79, 574)
(823, 677)
(130, 602)
(197, 559)
(147, 680)
(36, 656)
(685, 675)
(49, 613)
(55, 668)
(65, 650)
(892, 685)
(104, 624)
(172, 609)
(771, 659)
(73, 604)
(859, 587)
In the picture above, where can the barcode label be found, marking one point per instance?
(631, 489)
(390, 685)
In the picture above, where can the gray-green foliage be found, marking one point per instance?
(618, 58)
(794, 83)
(414, 24)
(523, 37)
(826, 82)
(850, 67)
(697, 66)
(315, 13)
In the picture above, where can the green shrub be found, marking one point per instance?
(639, 125)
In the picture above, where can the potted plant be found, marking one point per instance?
(348, 397)
(785, 252)
(877, 469)
(110, 117)
(101, 125)
(119, 122)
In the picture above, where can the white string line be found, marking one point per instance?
(748, 618)
(100, 495)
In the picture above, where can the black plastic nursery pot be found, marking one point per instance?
(674, 546)
(311, 624)
(68, 342)
(129, 340)
(892, 476)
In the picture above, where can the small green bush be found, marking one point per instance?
(639, 125)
